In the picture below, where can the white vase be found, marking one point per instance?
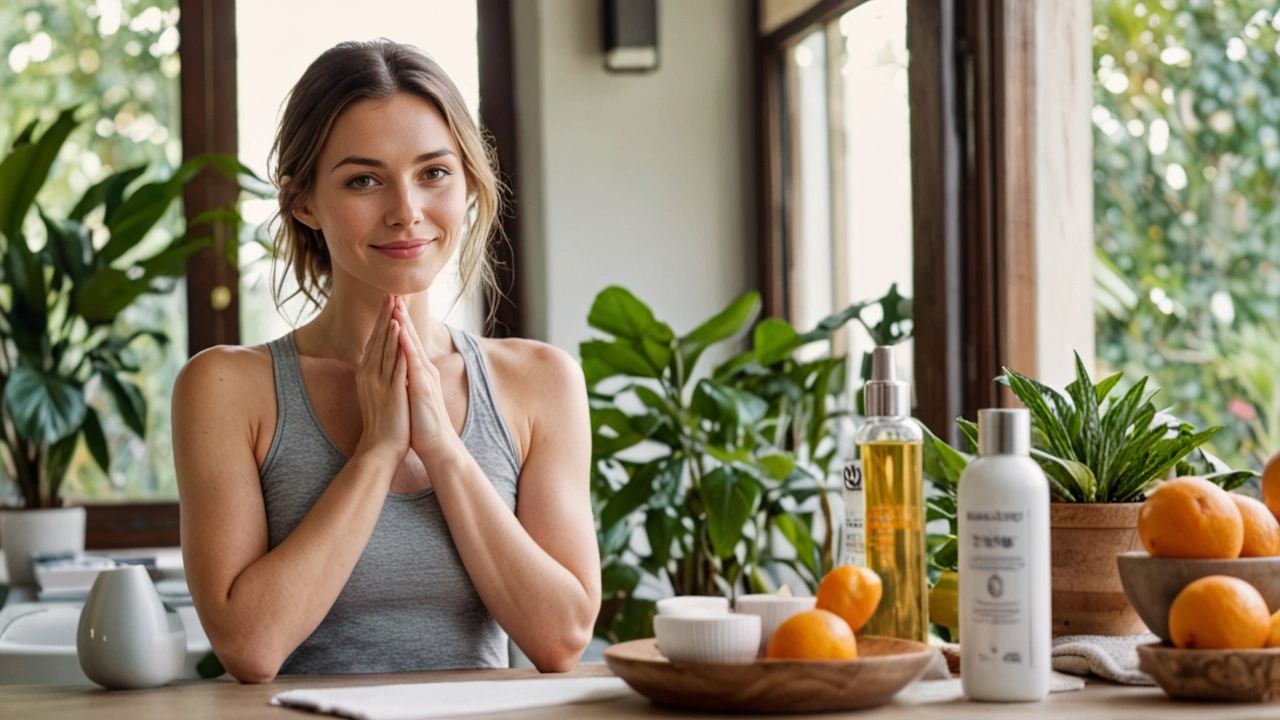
(24, 532)
(126, 640)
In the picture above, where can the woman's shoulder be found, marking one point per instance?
(535, 365)
(229, 371)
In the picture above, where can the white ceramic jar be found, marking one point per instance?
(729, 639)
(126, 640)
(773, 611)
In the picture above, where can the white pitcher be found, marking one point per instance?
(126, 639)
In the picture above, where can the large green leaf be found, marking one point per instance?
(942, 462)
(633, 495)
(731, 409)
(143, 209)
(29, 316)
(101, 297)
(129, 400)
(96, 440)
(730, 498)
(774, 340)
(726, 324)
(621, 314)
(24, 171)
(797, 532)
(68, 246)
(620, 356)
(109, 190)
(45, 408)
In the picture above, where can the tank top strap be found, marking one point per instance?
(291, 393)
(483, 412)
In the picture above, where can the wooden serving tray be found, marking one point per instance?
(884, 666)
(1233, 675)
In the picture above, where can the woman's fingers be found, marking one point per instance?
(378, 338)
(390, 347)
(403, 314)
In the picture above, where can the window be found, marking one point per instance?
(121, 62)
(1186, 127)
(849, 209)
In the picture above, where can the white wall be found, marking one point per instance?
(641, 181)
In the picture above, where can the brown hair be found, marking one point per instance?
(345, 74)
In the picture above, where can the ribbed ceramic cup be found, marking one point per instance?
(126, 640)
(773, 611)
(691, 605)
(722, 639)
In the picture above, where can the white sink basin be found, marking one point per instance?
(38, 643)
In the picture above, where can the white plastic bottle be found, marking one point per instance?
(1003, 543)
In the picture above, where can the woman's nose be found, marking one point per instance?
(405, 206)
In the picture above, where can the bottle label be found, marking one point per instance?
(855, 516)
(993, 544)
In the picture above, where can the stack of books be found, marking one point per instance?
(68, 576)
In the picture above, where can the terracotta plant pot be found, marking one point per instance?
(1088, 598)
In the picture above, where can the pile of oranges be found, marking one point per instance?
(846, 599)
(1193, 518)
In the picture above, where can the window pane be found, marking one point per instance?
(810, 225)
(271, 61)
(876, 173)
(1186, 128)
(121, 63)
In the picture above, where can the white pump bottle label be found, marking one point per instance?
(855, 516)
(995, 543)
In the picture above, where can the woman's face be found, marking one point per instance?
(389, 195)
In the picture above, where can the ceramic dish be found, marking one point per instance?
(773, 611)
(1152, 583)
(884, 666)
(725, 639)
(1234, 675)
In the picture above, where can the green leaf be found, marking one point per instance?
(24, 171)
(633, 495)
(941, 462)
(774, 340)
(730, 498)
(96, 440)
(210, 667)
(129, 400)
(103, 295)
(946, 556)
(69, 247)
(1231, 480)
(725, 325)
(970, 431)
(660, 527)
(621, 314)
(143, 209)
(1107, 384)
(1074, 476)
(45, 408)
(618, 578)
(729, 408)
(620, 356)
(779, 465)
(172, 261)
(109, 190)
(635, 621)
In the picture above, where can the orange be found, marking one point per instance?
(813, 635)
(1261, 530)
(1273, 640)
(1271, 484)
(1218, 613)
(1190, 518)
(852, 592)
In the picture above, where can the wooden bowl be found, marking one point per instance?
(1152, 583)
(1235, 675)
(884, 666)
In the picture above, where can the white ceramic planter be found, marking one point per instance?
(126, 640)
(23, 532)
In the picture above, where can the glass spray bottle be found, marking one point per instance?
(890, 444)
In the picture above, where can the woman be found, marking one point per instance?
(349, 491)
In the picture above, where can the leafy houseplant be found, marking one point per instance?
(59, 305)
(712, 473)
(1098, 450)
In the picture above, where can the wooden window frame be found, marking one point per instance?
(209, 124)
(971, 89)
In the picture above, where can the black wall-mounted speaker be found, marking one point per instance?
(630, 35)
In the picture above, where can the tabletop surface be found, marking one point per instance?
(226, 698)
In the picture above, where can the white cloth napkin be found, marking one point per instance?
(1112, 657)
(451, 699)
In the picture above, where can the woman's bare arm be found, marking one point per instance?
(537, 571)
(258, 606)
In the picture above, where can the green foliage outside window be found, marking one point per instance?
(119, 60)
(1186, 124)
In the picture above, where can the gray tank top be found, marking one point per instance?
(409, 604)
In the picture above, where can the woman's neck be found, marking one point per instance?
(341, 330)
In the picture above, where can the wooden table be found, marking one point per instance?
(225, 698)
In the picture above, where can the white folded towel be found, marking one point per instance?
(451, 699)
(1112, 657)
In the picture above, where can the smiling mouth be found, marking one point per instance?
(403, 249)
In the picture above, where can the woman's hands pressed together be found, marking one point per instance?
(431, 430)
(380, 389)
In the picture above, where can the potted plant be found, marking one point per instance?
(707, 486)
(58, 307)
(1101, 452)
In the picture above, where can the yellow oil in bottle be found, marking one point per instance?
(895, 538)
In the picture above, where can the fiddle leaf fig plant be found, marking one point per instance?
(706, 484)
(59, 304)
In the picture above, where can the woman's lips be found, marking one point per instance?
(403, 250)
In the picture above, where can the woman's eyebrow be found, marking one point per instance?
(371, 162)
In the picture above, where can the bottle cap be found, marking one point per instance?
(885, 395)
(1004, 432)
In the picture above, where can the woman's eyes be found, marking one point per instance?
(364, 182)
